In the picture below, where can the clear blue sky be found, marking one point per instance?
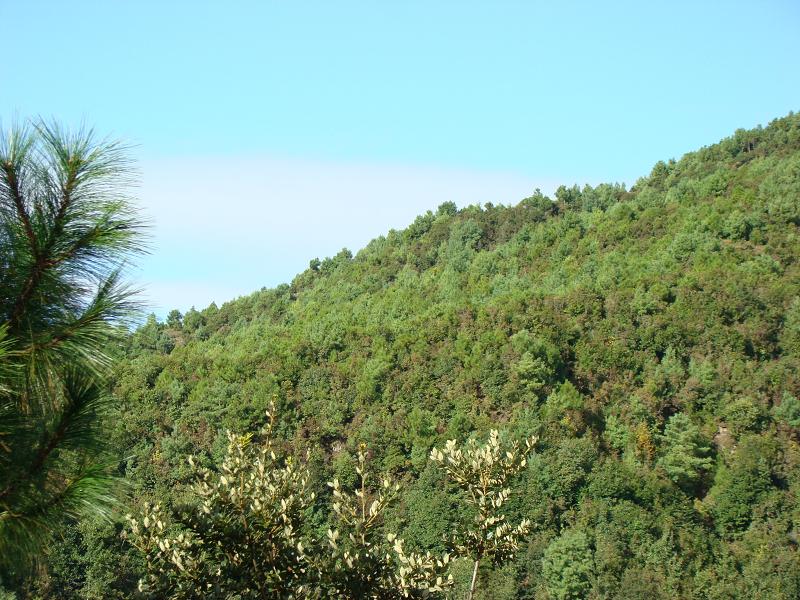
(269, 133)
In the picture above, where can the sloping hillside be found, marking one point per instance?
(650, 337)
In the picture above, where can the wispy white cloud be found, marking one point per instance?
(224, 227)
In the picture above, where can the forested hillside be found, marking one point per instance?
(650, 339)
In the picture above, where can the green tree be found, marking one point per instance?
(685, 456)
(174, 319)
(66, 230)
(244, 535)
(740, 485)
(245, 538)
(788, 411)
(743, 415)
(567, 566)
(482, 472)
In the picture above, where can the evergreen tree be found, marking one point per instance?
(66, 229)
(567, 566)
(685, 457)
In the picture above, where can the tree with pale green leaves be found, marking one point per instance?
(482, 473)
(359, 563)
(67, 230)
(245, 537)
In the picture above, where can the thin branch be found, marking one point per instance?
(19, 204)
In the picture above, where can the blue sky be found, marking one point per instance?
(268, 133)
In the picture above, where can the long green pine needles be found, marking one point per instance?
(67, 229)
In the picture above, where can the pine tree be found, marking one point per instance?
(567, 566)
(685, 455)
(66, 230)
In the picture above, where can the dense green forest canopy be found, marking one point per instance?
(649, 337)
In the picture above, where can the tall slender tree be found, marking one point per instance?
(67, 229)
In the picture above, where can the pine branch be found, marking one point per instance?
(74, 427)
(24, 531)
(11, 181)
(84, 225)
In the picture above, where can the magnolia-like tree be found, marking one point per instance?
(67, 228)
(482, 472)
(359, 563)
(245, 537)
